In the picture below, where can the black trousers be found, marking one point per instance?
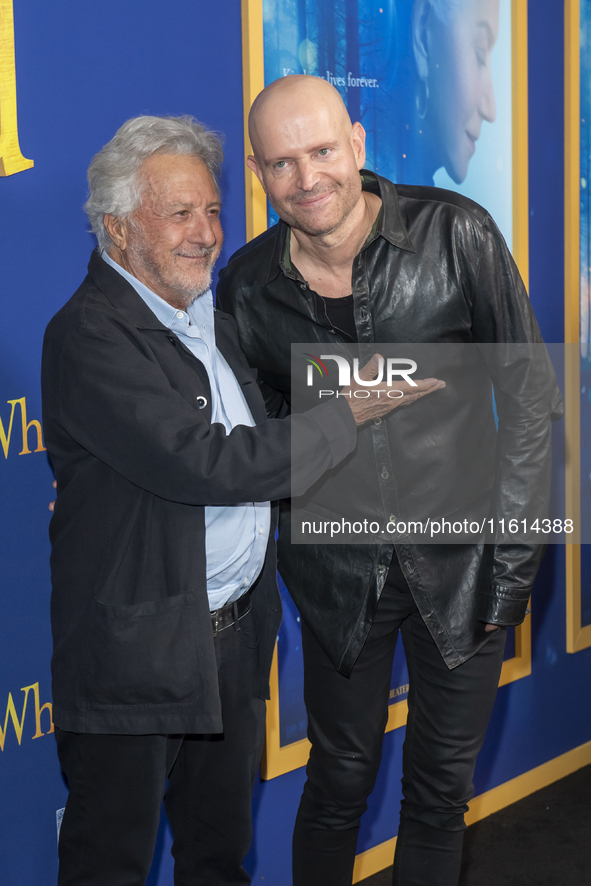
(117, 783)
(449, 712)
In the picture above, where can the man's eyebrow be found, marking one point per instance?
(489, 31)
(329, 143)
(180, 204)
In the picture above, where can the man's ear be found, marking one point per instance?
(116, 229)
(420, 36)
(254, 167)
(358, 144)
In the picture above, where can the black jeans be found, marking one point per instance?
(448, 716)
(117, 783)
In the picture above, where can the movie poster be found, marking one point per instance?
(431, 83)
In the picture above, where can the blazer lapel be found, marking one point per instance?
(227, 342)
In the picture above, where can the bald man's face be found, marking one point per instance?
(308, 157)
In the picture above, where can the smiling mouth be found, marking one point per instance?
(312, 202)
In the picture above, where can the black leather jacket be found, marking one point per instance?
(436, 269)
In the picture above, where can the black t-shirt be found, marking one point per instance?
(340, 313)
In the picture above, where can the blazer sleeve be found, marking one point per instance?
(104, 391)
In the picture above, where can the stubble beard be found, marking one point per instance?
(347, 196)
(182, 292)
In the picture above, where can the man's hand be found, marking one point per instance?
(52, 503)
(489, 628)
(378, 403)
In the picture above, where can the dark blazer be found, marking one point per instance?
(436, 269)
(136, 461)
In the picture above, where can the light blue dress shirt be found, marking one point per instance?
(235, 535)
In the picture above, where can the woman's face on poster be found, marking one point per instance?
(459, 81)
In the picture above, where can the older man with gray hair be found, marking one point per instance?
(165, 606)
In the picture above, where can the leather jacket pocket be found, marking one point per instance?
(142, 654)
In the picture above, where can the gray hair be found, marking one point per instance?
(114, 182)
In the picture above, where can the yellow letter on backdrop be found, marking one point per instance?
(11, 159)
(11, 712)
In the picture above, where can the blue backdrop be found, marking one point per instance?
(81, 71)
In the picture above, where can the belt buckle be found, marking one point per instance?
(215, 622)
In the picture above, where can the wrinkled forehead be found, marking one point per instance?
(176, 178)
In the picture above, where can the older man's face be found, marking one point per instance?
(175, 236)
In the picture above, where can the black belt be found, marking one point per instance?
(231, 613)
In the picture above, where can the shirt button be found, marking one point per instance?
(260, 530)
(180, 315)
(392, 518)
(382, 570)
(377, 421)
(385, 473)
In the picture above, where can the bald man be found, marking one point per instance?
(356, 259)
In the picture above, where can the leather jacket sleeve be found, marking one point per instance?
(527, 399)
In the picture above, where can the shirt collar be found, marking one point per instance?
(389, 225)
